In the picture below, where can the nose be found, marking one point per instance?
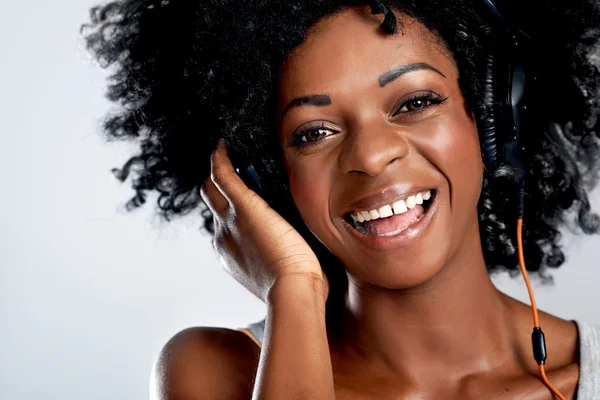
(371, 146)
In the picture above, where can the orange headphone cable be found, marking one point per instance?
(536, 321)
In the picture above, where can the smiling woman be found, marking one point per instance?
(381, 216)
(389, 134)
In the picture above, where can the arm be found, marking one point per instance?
(263, 252)
(295, 362)
(221, 364)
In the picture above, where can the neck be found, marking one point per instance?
(457, 319)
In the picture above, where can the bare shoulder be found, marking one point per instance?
(562, 336)
(562, 346)
(562, 342)
(205, 363)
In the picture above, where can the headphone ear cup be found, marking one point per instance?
(488, 130)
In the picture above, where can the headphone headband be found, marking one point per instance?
(502, 11)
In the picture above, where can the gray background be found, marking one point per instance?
(88, 293)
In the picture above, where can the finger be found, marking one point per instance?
(213, 198)
(216, 232)
(224, 176)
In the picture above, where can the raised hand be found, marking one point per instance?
(257, 246)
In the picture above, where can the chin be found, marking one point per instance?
(406, 260)
(412, 269)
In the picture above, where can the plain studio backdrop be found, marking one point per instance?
(88, 292)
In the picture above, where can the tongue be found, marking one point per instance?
(395, 223)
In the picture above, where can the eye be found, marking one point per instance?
(418, 103)
(414, 104)
(310, 136)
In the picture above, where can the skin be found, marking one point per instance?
(424, 320)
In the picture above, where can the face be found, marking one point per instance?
(383, 159)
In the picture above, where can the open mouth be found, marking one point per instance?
(392, 219)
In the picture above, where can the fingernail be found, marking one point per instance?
(221, 145)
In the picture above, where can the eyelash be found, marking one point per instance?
(299, 138)
(429, 98)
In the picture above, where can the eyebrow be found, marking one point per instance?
(321, 100)
(405, 69)
(318, 100)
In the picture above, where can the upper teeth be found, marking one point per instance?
(399, 207)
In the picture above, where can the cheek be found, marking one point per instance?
(452, 146)
(458, 154)
(310, 185)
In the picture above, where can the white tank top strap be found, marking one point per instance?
(255, 331)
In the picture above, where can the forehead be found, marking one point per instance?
(349, 48)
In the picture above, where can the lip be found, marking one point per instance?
(401, 240)
(387, 196)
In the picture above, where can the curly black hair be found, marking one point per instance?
(187, 73)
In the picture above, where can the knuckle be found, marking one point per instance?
(219, 241)
(219, 175)
(224, 239)
(204, 190)
(209, 195)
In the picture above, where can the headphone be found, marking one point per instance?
(251, 171)
(509, 81)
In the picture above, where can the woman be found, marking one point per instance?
(379, 218)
